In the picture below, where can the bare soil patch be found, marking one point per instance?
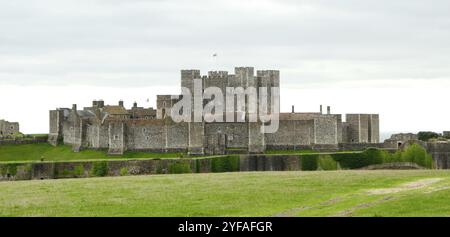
(422, 183)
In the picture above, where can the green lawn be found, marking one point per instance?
(318, 193)
(38, 151)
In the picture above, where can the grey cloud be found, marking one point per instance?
(132, 43)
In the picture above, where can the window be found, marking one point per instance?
(12, 127)
(116, 137)
(147, 138)
(144, 130)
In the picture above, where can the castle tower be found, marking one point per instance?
(363, 128)
(187, 78)
(269, 79)
(245, 77)
(195, 129)
(56, 126)
(116, 132)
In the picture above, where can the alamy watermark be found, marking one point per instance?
(248, 104)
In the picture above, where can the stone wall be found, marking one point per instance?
(148, 135)
(325, 130)
(292, 133)
(58, 170)
(237, 133)
(232, 163)
(269, 163)
(440, 151)
(177, 135)
(23, 141)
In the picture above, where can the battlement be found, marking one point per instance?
(261, 73)
(217, 74)
(190, 73)
(249, 71)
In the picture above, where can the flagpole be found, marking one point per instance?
(215, 61)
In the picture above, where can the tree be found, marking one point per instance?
(425, 136)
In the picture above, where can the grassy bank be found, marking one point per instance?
(324, 193)
(47, 152)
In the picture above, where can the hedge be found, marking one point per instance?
(326, 162)
(179, 167)
(309, 162)
(371, 156)
(225, 164)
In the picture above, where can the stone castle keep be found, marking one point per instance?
(117, 129)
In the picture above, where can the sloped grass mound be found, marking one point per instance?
(47, 152)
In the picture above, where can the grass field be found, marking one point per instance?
(322, 193)
(38, 151)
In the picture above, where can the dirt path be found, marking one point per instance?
(422, 183)
(350, 211)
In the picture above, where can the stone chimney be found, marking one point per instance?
(135, 104)
(94, 103)
(328, 110)
(74, 107)
(121, 103)
(293, 109)
(321, 111)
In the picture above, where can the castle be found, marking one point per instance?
(117, 129)
(8, 129)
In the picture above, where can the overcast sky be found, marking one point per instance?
(373, 56)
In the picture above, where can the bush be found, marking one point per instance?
(397, 157)
(9, 169)
(123, 171)
(179, 167)
(78, 170)
(225, 164)
(309, 162)
(373, 156)
(417, 154)
(327, 163)
(99, 169)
